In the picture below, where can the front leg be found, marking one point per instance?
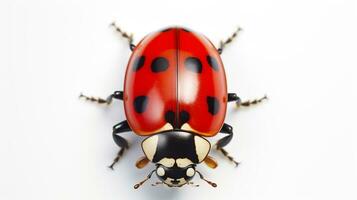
(116, 95)
(227, 129)
(120, 141)
(234, 97)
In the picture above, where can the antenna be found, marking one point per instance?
(143, 181)
(209, 182)
(193, 184)
(157, 183)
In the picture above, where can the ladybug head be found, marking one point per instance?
(175, 176)
(176, 154)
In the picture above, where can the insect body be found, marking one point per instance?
(175, 95)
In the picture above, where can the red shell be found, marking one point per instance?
(175, 76)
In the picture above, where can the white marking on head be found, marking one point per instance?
(167, 162)
(202, 148)
(160, 171)
(183, 162)
(181, 181)
(190, 172)
(149, 146)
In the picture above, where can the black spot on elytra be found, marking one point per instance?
(138, 63)
(193, 64)
(140, 103)
(184, 117)
(213, 105)
(170, 117)
(212, 62)
(159, 64)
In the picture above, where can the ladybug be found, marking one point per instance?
(175, 95)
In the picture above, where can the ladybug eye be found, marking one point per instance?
(190, 172)
(160, 171)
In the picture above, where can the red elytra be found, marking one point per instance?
(175, 79)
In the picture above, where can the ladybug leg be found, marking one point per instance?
(234, 97)
(227, 129)
(116, 95)
(142, 162)
(125, 35)
(251, 102)
(223, 43)
(120, 141)
(210, 162)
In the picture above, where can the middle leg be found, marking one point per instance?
(116, 95)
(234, 97)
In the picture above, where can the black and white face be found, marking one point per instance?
(176, 155)
(175, 176)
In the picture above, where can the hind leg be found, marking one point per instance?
(125, 35)
(223, 43)
(120, 141)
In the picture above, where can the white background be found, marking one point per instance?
(301, 144)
